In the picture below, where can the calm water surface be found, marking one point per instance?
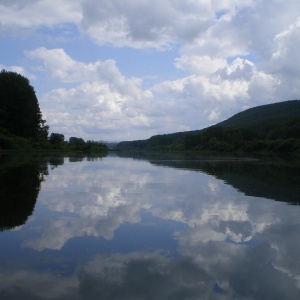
(149, 228)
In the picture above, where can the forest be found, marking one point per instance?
(21, 124)
(267, 128)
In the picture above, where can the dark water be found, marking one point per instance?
(156, 227)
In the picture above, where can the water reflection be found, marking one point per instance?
(20, 180)
(254, 177)
(123, 228)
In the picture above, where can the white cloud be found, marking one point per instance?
(200, 65)
(225, 92)
(231, 55)
(19, 70)
(143, 24)
(101, 100)
(34, 13)
(284, 63)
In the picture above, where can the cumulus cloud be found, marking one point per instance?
(284, 63)
(229, 88)
(39, 13)
(19, 70)
(102, 101)
(231, 55)
(139, 23)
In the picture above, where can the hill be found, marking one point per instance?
(274, 111)
(273, 127)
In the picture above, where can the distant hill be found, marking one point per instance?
(273, 127)
(269, 112)
(110, 145)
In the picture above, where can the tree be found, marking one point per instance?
(19, 108)
(76, 141)
(56, 138)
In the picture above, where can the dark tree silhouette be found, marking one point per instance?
(56, 138)
(19, 108)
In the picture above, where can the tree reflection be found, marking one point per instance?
(20, 182)
(55, 161)
(276, 178)
(81, 156)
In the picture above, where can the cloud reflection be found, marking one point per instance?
(144, 276)
(226, 272)
(96, 198)
(232, 245)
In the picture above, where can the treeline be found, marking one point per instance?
(9, 141)
(247, 138)
(57, 141)
(271, 128)
(21, 124)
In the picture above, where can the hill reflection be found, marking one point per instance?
(265, 177)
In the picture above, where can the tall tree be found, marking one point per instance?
(19, 108)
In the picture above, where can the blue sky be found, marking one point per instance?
(124, 70)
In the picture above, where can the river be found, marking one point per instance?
(149, 227)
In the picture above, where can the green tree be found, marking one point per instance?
(76, 141)
(56, 138)
(19, 108)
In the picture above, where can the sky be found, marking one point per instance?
(115, 70)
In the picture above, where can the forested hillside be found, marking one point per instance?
(274, 127)
(263, 113)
